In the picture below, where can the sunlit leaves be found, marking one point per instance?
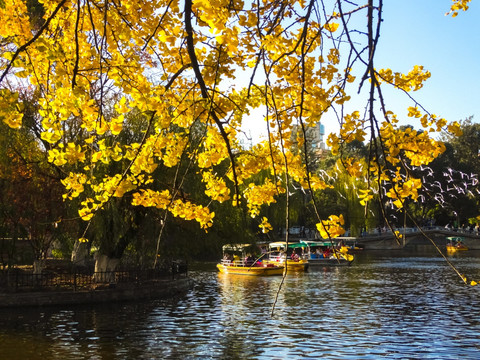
(214, 149)
(189, 211)
(12, 119)
(87, 209)
(112, 186)
(454, 128)
(353, 128)
(403, 190)
(179, 208)
(123, 101)
(215, 187)
(458, 5)
(265, 225)
(10, 109)
(51, 136)
(353, 168)
(419, 147)
(332, 27)
(74, 183)
(412, 81)
(365, 196)
(15, 22)
(151, 198)
(332, 227)
(258, 195)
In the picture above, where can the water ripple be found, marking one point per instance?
(380, 307)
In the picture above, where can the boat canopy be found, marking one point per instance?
(238, 247)
(455, 238)
(317, 243)
(291, 245)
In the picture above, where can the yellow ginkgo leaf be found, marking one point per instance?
(332, 27)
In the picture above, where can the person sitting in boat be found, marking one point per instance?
(236, 259)
(249, 260)
(227, 258)
(294, 256)
(326, 253)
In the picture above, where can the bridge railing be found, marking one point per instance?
(412, 230)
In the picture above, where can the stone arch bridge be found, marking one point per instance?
(413, 236)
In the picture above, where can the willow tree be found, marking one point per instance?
(215, 62)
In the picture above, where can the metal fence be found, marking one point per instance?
(16, 280)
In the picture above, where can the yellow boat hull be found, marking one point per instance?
(250, 271)
(292, 265)
(301, 265)
(455, 248)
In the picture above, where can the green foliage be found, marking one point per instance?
(466, 148)
(36, 12)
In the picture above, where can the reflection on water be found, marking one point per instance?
(384, 305)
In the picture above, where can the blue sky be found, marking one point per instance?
(417, 32)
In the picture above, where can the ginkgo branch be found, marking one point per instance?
(32, 40)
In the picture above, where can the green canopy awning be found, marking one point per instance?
(291, 245)
(317, 243)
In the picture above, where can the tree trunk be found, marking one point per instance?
(105, 269)
(38, 266)
(79, 253)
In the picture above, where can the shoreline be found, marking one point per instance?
(158, 289)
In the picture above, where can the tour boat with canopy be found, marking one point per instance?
(294, 254)
(455, 244)
(243, 259)
(327, 253)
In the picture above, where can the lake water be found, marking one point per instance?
(393, 305)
